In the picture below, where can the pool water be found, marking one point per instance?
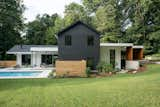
(29, 73)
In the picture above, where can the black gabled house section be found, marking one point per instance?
(79, 41)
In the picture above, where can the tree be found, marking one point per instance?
(39, 32)
(109, 20)
(92, 5)
(11, 25)
(144, 17)
(74, 12)
(51, 33)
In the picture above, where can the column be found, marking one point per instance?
(38, 59)
(129, 53)
(141, 54)
(118, 58)
(19, 59)
(33, 59)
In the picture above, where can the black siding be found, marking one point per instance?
(79, 48)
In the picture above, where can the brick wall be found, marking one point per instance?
(7, 63)
(70, 68)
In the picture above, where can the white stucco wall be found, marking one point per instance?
(105, 55)
(130, 65)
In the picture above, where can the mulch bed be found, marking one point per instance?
(98, 75)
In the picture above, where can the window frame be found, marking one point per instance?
(90, 40)
(68, 40)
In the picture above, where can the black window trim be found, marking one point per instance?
(65, 41)
(88, 44)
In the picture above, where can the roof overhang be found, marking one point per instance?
(44, 49)
(138, 47)
(116, 44)
(18, 53)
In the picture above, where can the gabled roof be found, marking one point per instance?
(75, 24)
(27, 48)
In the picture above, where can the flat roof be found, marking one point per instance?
(41, 49)
(27, 49)
(116, 44)
(138, 47)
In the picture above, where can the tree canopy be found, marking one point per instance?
(11, 24)
(136, 21)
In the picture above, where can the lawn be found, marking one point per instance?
(122, 90)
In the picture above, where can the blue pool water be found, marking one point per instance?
(29, 73)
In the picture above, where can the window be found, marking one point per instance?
(112, 57)
(47, 59)
(90, 40)
(90, 62)
(26, 59)
(68, 40)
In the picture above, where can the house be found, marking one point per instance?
(77, 42)
(34, 55)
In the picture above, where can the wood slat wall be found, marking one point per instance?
(7, 63)
(71, 68)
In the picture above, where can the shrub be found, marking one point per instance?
(99, 67)
(88, 71)
(108, 67)
(104, 67)
(51, 74)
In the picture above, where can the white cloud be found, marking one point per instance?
(34, 7)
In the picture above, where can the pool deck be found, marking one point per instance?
(44, 74)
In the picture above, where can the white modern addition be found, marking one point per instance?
(34, 55)
(121, 55)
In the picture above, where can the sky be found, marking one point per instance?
(34, 7)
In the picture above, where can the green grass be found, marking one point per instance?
(122, 90)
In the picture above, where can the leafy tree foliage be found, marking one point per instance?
(135, 21)
(75, 12)
(39, 31)
(145, 21)
(51, 33)
(11, 25)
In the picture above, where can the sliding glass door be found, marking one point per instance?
(112, 57)
(26, 59)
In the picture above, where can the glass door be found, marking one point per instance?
(112, 57)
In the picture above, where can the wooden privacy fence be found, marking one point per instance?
(71, 68)
(9, 63)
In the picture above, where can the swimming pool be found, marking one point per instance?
(17, 74)
(12, 73)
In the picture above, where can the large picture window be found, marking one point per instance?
(68, 40)
(90, 40)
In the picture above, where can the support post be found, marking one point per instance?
(19, 59)
(129, 53)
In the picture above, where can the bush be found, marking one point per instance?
(99, 67)
(104, 67)
(88, 71)
(108, 67)
(51, 74)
